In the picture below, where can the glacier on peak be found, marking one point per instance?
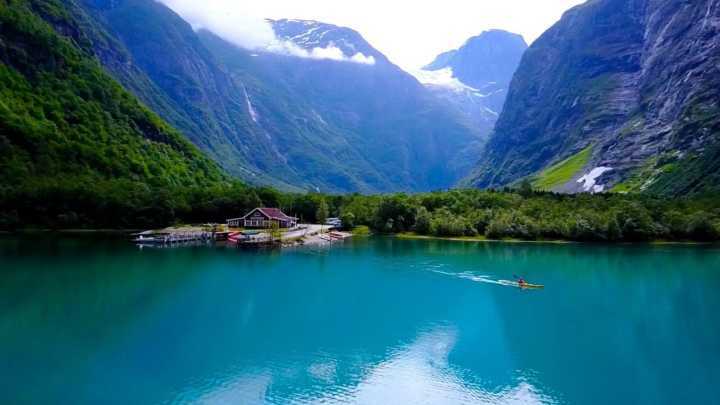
(444, 78)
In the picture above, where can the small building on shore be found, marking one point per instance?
(263, 218)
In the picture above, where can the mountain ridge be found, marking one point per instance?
(485, 62)
(378, 112)
(474, 78)
(273, 118)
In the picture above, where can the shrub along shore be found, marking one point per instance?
(468, 213)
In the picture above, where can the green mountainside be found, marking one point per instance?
(73, 142)
(156, 55)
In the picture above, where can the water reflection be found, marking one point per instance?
(417, 373)
(421, 373)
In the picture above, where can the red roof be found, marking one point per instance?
(272, 213)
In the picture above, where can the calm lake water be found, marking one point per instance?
(375, 321)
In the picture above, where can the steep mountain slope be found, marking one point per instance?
(157, 55)
(618, 94)
(474, 79)
(76, 149)
(346, 118)
(62, 117)
(317, 112)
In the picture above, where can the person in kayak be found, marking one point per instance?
(521, 282)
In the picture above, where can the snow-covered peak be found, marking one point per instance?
(482, 67)
(484, 61)
(317, 40)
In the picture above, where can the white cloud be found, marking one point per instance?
(409, 33)
(362, 58)
(229, 21)
(443, 77)
(332, 52)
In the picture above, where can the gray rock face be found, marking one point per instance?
(472, 105)
(486, 63)
(473, 80)
(637, 80)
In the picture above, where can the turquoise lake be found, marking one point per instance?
(88, 320)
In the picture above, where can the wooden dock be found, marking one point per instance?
(254, 239)
(171, 238)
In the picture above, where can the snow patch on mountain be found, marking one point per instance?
(305, 37)
(589, 180)
(491, 112)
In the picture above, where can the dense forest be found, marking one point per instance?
(72, 140)
(517, 214)
(525, 215)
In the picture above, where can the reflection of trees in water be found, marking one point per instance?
(293, 323)
(75, 300)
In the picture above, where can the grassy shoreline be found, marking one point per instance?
(477, 239)
(415, 236)
(363, 231)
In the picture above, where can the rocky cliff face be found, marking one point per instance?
(348, 118)
(618, 94)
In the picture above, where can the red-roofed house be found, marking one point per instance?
(263, 218)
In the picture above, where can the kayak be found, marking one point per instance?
(526, 286)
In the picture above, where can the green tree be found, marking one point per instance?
(395, 214)
(322, 212)
(526, 189)
(348, 220)
(700, 227)
(422, 221)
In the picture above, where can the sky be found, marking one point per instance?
(410, 33)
